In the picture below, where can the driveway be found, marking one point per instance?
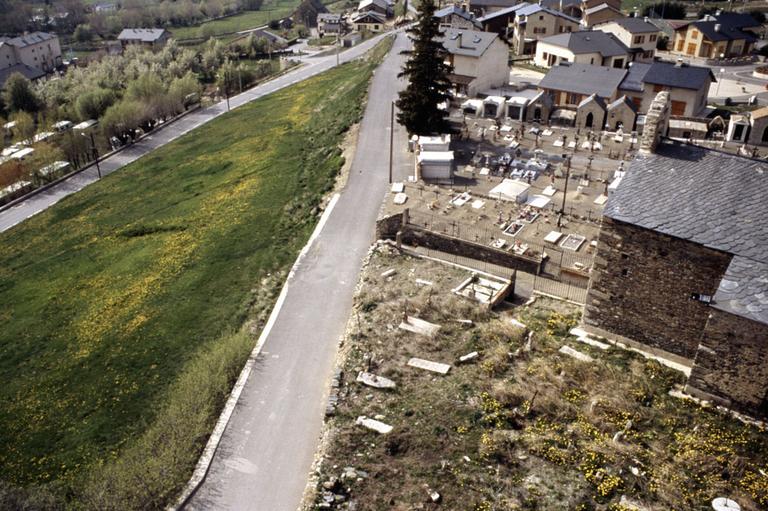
(266, 452)
(44, 200)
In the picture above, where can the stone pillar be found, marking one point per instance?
(656, 123)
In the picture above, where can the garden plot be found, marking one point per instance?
(516, 424)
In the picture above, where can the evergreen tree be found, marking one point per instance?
(427, 73)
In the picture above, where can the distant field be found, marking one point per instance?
(270, 10)
(110, 296)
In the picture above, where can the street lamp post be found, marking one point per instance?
(720, 78)
(94, 152)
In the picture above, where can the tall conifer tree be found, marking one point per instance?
(427, 73)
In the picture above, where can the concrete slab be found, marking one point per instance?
(567, 350)
(428, 365)
(374, 425)
(419, 326)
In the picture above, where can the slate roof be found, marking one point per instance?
(364, 4)
(711, 198)
(492, 3)
(734, 19)
(145, 35)
(376, 17)
(594, 97)
(725, 33)
(29, 39)
(536, 8)
(602, 7)
(29, 72)
(667, 74)
(472, 43)
(458, 11)
(503, 12)
(589, 41)
(622, 100)
(583, 79)
(328, 17)
(635, 25)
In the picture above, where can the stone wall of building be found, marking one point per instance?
(642, 284)
(598, 116)
(656, 123)
(621, 113)
(732, 363)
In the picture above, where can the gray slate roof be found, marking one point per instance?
(28, 72)
(453, 10)
(536, 8)
(624, 100)
(726, 32)
(329, 17)
(145, 35)
(584, 79)
(29, 39)
(635, 25)
(471, 43)
(635, 76)
(711, 198)
(492, 3)
(503, 12)
(744, 289)
(593, 98)
(602, 7)
(375, 17)
(589, 41)
(666, 74)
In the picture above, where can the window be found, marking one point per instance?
(573, 98)
(639, 39)
(541, 18)
(652, 38)
(694, 34)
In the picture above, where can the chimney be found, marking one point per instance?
(646, 19)
(718, 12)
(679, 62)
(656, 123)
(458, 41)
(717, 27)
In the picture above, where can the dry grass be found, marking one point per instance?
(517, 429)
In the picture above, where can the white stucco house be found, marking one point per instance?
(479, 60)
(640, 35)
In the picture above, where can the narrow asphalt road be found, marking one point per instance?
(44, 200)
(266, 452)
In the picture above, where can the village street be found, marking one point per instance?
(266, 452)
(41, 201)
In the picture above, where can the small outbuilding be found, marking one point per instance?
(621, 114)
(590, 114)
(435, 166)
(511, 190)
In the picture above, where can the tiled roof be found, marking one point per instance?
(583, 79)
(471, 43)
(589, 41)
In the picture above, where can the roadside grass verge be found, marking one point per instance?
(135, 301)
(518, 429)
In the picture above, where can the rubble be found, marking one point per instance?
(372, 380)
(435, 367)
(373, 424)
(419, 326)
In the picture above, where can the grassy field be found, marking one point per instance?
(270, 10)
(117, 300)
(519, 428)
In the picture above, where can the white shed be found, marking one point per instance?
(516, 108)
(439, 143)
(493, 107)
(434, 165)
(510, 190)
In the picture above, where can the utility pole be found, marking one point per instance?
(338, 45)
(391, 137)
(565, 190)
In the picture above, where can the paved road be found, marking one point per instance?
(267, 449)
(44, 200)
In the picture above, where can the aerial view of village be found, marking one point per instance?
(363, 255)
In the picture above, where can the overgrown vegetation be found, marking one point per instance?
(120, 301)
(519, 428)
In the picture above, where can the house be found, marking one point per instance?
(570, 84)
(681, 268)
(329, 23)
(484, 7)
(722, 35)
(153, 38)
(33, 55)
(24, 70)
(572, 8)
(584, 47)
(479, 60)
(535, 22)
(600, 13)
(368, 22)
(590, 114)
(380, 7)
(638, 34)
(454, 16)
(749, 127)
(501, 21)
(688, 86)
